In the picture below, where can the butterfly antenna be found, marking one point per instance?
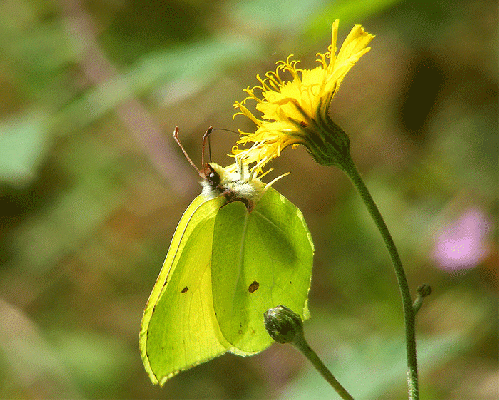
(206, 137)
(175, 136)
(228, 130)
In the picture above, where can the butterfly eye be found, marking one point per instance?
(212, 176)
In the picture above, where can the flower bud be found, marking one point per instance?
(283, 324)
(424, 290)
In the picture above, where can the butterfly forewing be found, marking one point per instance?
(179, 328)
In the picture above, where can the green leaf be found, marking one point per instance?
(349, 12)
(184, 68)
(23, 143)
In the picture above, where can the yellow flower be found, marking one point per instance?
(296, 111)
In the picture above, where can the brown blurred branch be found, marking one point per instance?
(131, 112)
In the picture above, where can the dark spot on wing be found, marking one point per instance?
(184, 290)
(253, 287)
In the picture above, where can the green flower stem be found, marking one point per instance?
(301, 344)
(350, 169)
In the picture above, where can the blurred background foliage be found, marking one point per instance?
(92, 186)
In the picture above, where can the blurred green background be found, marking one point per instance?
(92, 186)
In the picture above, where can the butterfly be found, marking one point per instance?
(239, 249)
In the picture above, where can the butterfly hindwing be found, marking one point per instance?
(261, 259)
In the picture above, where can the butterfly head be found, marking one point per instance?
(234, 182)
(211, 177)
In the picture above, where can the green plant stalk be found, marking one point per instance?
(350, 169)
(307, 351)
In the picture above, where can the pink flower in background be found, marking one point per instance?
(462, 245)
